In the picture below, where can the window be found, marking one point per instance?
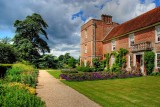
(129, 61)
(85, 51)
(158, 60)
(131, 40)
(113, 45)
(157, 33)
(85, 33)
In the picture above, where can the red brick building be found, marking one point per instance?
(137, 35)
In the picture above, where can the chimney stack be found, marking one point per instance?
(106, 18)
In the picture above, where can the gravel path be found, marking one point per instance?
(57, 94)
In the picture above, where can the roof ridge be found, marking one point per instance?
(148, 18)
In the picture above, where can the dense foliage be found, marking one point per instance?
(120, 60)
(72, 62)
(66, 61)
(107, 61)
(98, 65)
(15, 96)
(27, 40)
(7, 54)
(48, 61)
(84, 68)
(3, 69)
(22, 73)
(18, 87)
(149, 58)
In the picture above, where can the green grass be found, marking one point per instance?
(130, 92)
(55, 73)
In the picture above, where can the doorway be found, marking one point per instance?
(140, 63)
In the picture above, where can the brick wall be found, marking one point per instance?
(123, 42)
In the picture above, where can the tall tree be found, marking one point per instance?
(28, 41)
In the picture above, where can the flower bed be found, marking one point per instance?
(97, 76)
(17, 95)
(22, 73)
(17, 89)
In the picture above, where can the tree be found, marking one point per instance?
(7, 53)
(72, 62)
(48, 61)
(66, 58)
(61, 58)
(5, 40)
(27, 40)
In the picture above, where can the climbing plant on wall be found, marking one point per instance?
(149, 58)
(120, 59)
(107, 61)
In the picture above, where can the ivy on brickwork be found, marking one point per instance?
(120, 60)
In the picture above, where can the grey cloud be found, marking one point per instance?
(58, 15)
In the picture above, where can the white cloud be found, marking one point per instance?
(64, 33)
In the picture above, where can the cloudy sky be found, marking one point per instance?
(65, 17)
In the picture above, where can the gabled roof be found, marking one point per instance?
(144, 20)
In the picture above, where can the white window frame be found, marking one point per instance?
(131, 39)
(85, 32)
(85, 50)
(113, 45)
(156, 60)
(129, 61)
(157, 32)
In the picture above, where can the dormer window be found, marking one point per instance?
(113, 45)
(158, 34)
(131, 40)
(85, 32)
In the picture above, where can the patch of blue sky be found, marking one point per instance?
(142, 1)
(79, 14)
(100, 6)
(157, 2)
(6, 33)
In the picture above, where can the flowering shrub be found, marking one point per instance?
(15, 96)
(23, 86)
(97, 76)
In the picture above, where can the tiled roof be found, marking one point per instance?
(144, 20)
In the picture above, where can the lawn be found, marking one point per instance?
(129, 92)
(55, 73)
